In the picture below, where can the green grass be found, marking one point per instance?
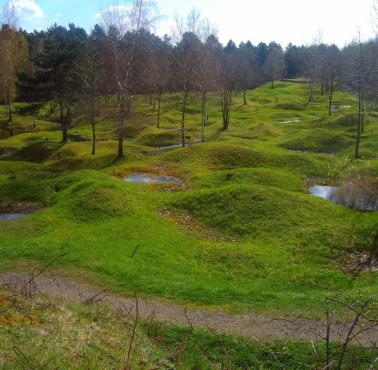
(257, 240)
(46, 334)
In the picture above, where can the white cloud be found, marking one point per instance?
(57, 17)
(119, 10)
(124, 17)
(27, 9)
(297, 21)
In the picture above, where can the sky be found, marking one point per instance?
(283, 21)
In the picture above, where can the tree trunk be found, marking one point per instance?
(10, 115)
(245, 96)
(65, 134)
(330, 99)
(183, 115)
(34, 119)
(311, 93)
(6, 104)
(66, 124)
(63, 123)
(61, 107)
(272, 84)
(93, 122)
(121, 133)
(159, 109)
(226, 108)
(93, 138)
(362, 114)
(358, 133)
(204, 115)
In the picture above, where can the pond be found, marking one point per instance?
(347, 195)
(10, 216)
(146, 178)
(325, 192)
(291, 120)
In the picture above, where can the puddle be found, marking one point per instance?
(10, 216)
(291, 120)
(175, 146)
(10, 211)
(296, 151)
(144, 178)
(7, 151)
(325, 192)
(346, 195)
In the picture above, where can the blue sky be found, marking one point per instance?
(298, 21)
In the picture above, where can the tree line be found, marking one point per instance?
(121, 59)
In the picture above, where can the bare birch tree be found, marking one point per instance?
(123, 26)
(205, 66)
(13, 57)
(229, 75)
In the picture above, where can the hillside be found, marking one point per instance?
(228, 225)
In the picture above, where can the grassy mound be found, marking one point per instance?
(260, 131)
(224, 155)
(37, 152)
(89, 196)
(318, 140)
(264, 131)
(261, 211)
(291, 106)
(262, 176)
(24, 183)
(347, 120)
(158, 138)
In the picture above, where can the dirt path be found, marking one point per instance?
(255, 326)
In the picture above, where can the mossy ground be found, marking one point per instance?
(281, 246)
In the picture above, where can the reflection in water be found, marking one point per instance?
(325, 192)
(151, 179)
(291, 120)
(10, 216)
(347, 195)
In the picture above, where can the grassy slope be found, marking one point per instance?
(41, 334)
(279, 246)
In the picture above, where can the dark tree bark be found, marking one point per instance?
(93, 122)
(66, 125)
(358, 129)
(362, 113)
(159, 109)
(331, 90)
(183, 117)
(121, 133)
(10, 114)
(204, 115)
(226, 100)
(311, 92)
